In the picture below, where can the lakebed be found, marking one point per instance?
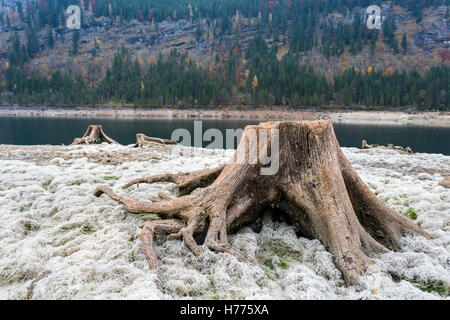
(89, 248)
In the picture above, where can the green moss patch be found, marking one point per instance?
(431, 286)
(77, 182)
(411, 214)
(277, 258)
(111, 178)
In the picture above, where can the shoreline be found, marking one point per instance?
(434, 119)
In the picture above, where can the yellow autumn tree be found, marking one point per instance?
(152, 26)
(191, 14)
(255, 82)
(140, 60)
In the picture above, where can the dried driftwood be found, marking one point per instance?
(365, 145)
(143, 140)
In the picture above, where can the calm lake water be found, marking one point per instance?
(32, 131)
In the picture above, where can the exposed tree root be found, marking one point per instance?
(315, 186)
(185, 182)
(94, 133)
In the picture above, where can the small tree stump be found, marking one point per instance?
(94, 133)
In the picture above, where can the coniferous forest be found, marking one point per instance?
(252, 77)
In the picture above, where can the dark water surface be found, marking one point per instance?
(56, 131)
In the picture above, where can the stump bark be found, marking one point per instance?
(314, 185)
(94, 134)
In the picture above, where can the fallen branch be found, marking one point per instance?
(143, 140)
(365, 145)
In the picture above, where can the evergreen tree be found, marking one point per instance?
(75, 39)
(32, 42)
(20, 10)
(404, 43)
(51, 40)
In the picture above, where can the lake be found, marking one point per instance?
(56, 131)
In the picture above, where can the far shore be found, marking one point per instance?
(434, 119)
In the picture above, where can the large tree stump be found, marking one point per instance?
(315, 186)
(94, 133)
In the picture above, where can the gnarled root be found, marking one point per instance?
(185, 182)
(314, 185)
(94, 133)
(143, 140)
(152, 228)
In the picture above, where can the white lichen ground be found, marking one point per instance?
(49, 220)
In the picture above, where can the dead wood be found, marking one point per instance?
(315, 186)
(94, 134)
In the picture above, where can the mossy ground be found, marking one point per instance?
(275, 259)
(432, 286)
(411, 214)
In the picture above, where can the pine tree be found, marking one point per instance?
(32, 42)
(404, 43)
(75, 38)
(20, 10)
(51, 40)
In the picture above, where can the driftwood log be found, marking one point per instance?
(94, 134)
(365, 145)
(143, 140)
(315, 186)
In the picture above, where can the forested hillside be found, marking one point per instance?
(209, 53)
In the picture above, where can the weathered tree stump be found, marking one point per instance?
(94, 133)
(143, 140)
(315, 186)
